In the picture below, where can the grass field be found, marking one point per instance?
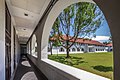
(97, 63)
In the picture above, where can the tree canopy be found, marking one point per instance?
(77, 20)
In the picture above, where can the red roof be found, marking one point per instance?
(110, 44)
(81, 40)
(87, 41)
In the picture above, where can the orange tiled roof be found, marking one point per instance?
(110, 44)
(87, 41)
(81, 40)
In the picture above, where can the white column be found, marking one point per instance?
(2, 40)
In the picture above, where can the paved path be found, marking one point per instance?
(26, 70)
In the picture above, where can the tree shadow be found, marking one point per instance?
(77, 58)
(102, 68)
(72, 60)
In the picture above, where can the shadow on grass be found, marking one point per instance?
(68, 61)
(102, 68)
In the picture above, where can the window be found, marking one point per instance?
(73, 50)
(96, 49)
(61, 50)
(82, 49)
(78, 49)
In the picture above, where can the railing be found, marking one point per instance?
(74, 72)
(69, 72)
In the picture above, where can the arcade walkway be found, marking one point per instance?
(28, 71)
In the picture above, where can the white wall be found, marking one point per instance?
(12, 48)
(56, 50)
(2, 40)
(17, 48)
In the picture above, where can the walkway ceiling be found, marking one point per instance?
(26, 14)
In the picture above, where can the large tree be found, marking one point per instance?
(53, 42)
(77, 20)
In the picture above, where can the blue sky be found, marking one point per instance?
(103, 33)
(103, 30)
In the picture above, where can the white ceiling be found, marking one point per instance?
(34, 6)
(26, 24)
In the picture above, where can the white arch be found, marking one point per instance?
(57, 8)
(33, 46)
(33, 41)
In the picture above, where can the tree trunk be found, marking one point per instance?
(51, 51)
(51, 48)
(67, 53)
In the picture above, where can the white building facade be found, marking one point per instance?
(82, 46)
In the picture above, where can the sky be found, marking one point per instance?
(103, 30)
(103, 33)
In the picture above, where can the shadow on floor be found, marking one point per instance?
(22, 70)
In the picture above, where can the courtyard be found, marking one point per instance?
(97, 63)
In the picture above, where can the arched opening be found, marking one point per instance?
(78, 49)
(61, 50)
(92, 49)
(96, 50)
(73, 50)
(82, 49)
(34, 46)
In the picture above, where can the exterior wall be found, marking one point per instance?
(2, 40)
(12, 48)
(109, 48)
(57, 50)
(83, 48)
(17, 50)
(2, 43)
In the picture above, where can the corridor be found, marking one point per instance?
(28, 23)
(26, 70)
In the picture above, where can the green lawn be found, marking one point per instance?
(98, 63)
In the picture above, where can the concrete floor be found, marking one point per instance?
(26, 70)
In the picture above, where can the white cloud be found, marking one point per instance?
(101, 38)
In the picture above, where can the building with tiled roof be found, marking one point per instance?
(109, 47)
(109, 44)
(81, 45)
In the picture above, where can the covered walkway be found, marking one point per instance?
(26, 70)
(28, 23)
